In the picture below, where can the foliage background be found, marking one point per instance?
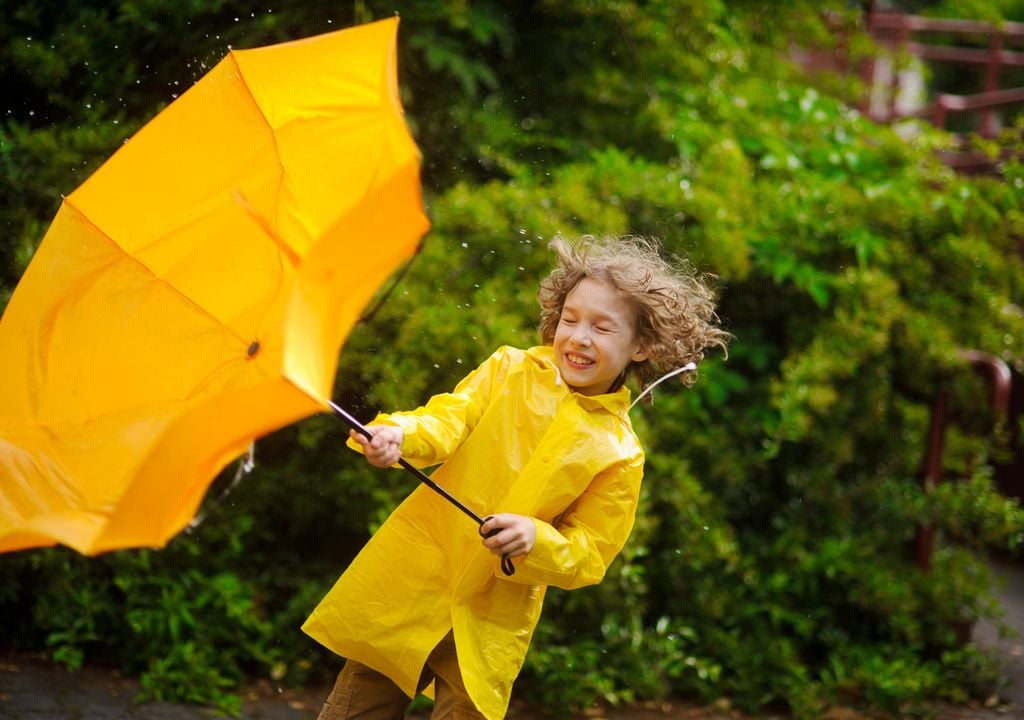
(772, 561)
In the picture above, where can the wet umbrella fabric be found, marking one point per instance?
(193, 294)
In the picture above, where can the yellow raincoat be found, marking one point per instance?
(512, 438)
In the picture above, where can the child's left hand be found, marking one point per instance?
(518, 533)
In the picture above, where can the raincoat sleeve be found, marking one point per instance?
(578, 550)
(433, 431)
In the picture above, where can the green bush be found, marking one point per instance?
(771, 562)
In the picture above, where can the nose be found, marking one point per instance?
(581, 335)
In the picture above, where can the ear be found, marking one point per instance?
(640, 355)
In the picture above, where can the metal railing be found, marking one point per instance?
(901, 33)
(997, 375)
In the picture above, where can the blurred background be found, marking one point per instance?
(825, 514)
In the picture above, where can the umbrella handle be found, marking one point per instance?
(506, 562)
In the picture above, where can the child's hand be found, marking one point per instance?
(518, 533)
(386, 447)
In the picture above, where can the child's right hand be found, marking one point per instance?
(386, 447)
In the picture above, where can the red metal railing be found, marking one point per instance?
(999, 379)
(899, 32)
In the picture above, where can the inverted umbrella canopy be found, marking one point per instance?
(194, 292)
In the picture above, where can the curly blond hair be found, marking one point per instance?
(675, 306)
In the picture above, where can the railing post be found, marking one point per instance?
(998, 375)
(988, 125)
(999, 378)
(939, 112)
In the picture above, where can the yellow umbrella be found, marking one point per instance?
(194, 293)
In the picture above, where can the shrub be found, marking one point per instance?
(771, 562)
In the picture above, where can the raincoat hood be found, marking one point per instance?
(511, 437)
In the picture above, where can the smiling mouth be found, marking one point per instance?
(578, 361)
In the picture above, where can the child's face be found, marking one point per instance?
(596, 337)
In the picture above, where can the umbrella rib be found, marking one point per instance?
(285, 248)
(273, 132)
(256, 216)
(196, 306)
(269, 231)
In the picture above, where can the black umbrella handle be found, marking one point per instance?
(506, 562)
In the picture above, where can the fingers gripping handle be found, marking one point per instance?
(506, 562)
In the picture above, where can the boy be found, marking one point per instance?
(542, 434)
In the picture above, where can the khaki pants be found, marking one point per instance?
(361, 693)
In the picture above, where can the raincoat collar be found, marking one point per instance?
(617, 403)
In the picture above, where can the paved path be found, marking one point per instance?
(1010, 591)
(34, 689)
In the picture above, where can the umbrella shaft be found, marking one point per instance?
(420, 475)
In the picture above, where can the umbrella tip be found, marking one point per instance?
(254, 347)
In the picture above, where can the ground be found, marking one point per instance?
(32, 688)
